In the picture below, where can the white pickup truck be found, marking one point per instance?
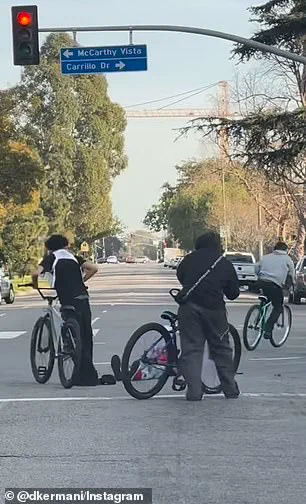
(244, 264)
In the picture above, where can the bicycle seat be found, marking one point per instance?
(263, 298)
(168, 315)
(67, 308)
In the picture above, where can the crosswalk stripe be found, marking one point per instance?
(11, 334)
(275, 358)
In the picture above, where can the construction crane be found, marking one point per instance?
(196, 113)
(165, 113)
(222, 112)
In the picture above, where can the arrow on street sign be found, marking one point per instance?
(101, 60)
(120, 65)
(68, 53)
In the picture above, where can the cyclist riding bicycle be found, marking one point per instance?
(67, 270)
(273, 272)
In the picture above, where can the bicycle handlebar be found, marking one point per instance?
(40, 290)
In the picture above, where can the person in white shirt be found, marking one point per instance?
(273, 271)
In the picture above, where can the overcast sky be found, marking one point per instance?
(177, 63)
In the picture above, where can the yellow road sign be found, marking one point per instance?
(84, 247)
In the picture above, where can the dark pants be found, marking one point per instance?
(196, 325)
(88, 374)
(274, 293)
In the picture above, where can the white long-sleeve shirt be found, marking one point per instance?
(275, 268)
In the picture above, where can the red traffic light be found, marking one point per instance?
(24, 18)
(25, 35)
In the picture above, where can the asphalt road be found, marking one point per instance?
(215, 452)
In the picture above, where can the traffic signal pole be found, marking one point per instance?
(182, 29)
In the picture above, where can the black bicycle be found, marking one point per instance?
(56, 335)
(151, 357)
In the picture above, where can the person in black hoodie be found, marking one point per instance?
(204, 317)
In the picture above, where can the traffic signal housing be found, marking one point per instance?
(25, 35)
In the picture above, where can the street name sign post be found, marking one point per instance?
(100, 60)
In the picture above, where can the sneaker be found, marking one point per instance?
(233, 395)
(116, 367)
(107, 380)
(267, 335)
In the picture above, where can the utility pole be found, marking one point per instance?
(259, 225)
(224, 146)
(103, 245)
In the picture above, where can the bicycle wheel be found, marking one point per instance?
(69, 352)
(147, 361)
(282, 328)
(252, 329)
(42, 352)
(235, 344)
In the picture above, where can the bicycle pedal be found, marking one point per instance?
(42, 370)
(178, 384)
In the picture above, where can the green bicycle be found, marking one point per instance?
(255, 321)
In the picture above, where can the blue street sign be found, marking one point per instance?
(97, 60)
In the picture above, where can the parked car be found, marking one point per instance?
(130, 260)
(244, 264)
(112, 260)
(142, 260)
(6, 288)
(101, 260)
(299, 290)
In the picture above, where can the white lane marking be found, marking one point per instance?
(95, 332)
(11, 334)
(99, 343)
(104, 311)
(142, 294)
(275, 358)
(2, 314)
(152, 303)
(252, 395)
(101, 363)
(95, 320)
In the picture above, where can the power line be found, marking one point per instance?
(196, 90)
(186, 98)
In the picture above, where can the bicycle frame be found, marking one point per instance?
(173, 341)
(263, 315)
(52, 312)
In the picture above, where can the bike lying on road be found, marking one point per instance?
(256, 319)
(56, 335)
(151, 357)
